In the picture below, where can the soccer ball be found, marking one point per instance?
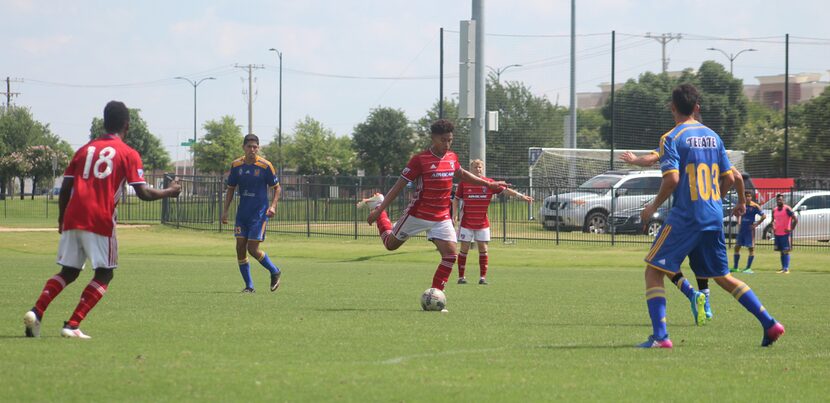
(433, 299)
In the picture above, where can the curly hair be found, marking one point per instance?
(441, 126)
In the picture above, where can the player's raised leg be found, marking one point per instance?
(746, 297)
(696, 299)
(265, 261)
(703, 287)
(93, 293)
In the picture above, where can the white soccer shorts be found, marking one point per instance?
(470, 235)
(408, 226)
(77, 245)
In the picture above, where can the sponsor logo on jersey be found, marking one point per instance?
(442, 174)
(405, 171)
(140, 173)
(452, 165)
(256, 173)
(702, 142)
(433, 166)
(248, 194)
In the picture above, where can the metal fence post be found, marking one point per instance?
(354, 206)
(503, 218)
(610, 222)
(556, 201)
(165, 203)
(307, 209)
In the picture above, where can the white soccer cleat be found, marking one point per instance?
(373, 202)
(74, 333)
(32, 324)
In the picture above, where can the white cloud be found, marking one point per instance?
(45, 44)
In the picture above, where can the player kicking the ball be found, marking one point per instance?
(255, 177)
(432, 171)
(475, 226)
(92, 185)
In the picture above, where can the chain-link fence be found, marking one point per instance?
(602, 210)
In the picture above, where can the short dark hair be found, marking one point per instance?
(779, 195)
(441, 126)
(250, 137)
(685, 97)
(116, 116)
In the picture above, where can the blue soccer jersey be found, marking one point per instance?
(697, 154)
(252, 182)
(752, 210)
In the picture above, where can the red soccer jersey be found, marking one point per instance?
(99, 169)
(476, 201)
(433, 180)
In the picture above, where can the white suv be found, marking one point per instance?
(589, 206)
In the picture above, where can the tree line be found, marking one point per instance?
(383, 142)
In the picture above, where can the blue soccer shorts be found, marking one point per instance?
(745, 237)
(706, 251)
(253, 230)
(782, 243)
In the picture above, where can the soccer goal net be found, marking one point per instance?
(566, 167)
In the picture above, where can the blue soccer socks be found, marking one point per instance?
(245, 270)
(266, 263)
(656, 300)
(684, 286)
(749, 262)
(785, 261)
(736, 258)
(747, 298)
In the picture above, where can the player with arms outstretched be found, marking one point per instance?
(696, 171)
(432, 171)
(254, 177)
(746, 233)
(92, 185)
(471, 203)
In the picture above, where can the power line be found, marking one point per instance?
(9, 94)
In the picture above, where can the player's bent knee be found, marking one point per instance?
(69, 274)
(103, 275)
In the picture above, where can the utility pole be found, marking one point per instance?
(570, 135)
(9, 94)
(478, 145)
(279, 118)
(664, 39)
(250, 68)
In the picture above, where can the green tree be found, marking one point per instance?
(384, 142)
(153, 154)
(220, 146)
(19, 132)
(814, 117)
(589, 129)
(315, 150)
(525, 120)
(763, 140)
(643, 115)
(45, 163)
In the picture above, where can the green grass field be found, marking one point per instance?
(556, 323)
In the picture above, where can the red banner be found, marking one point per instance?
(769, 187)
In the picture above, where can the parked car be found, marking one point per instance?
(589, 206)
(629, 222)
(812, 207)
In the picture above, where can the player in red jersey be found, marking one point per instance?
(475, 226)
(92, 185)
(432, 171)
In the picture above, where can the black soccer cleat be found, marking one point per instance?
(275, 281)
(248, 290)
(462, 280)
(482, 282)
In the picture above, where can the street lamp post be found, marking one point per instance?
(731, 56)
(279, 123)
(195, 84)
(498, 71)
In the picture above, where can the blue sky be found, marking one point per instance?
(75, 56)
